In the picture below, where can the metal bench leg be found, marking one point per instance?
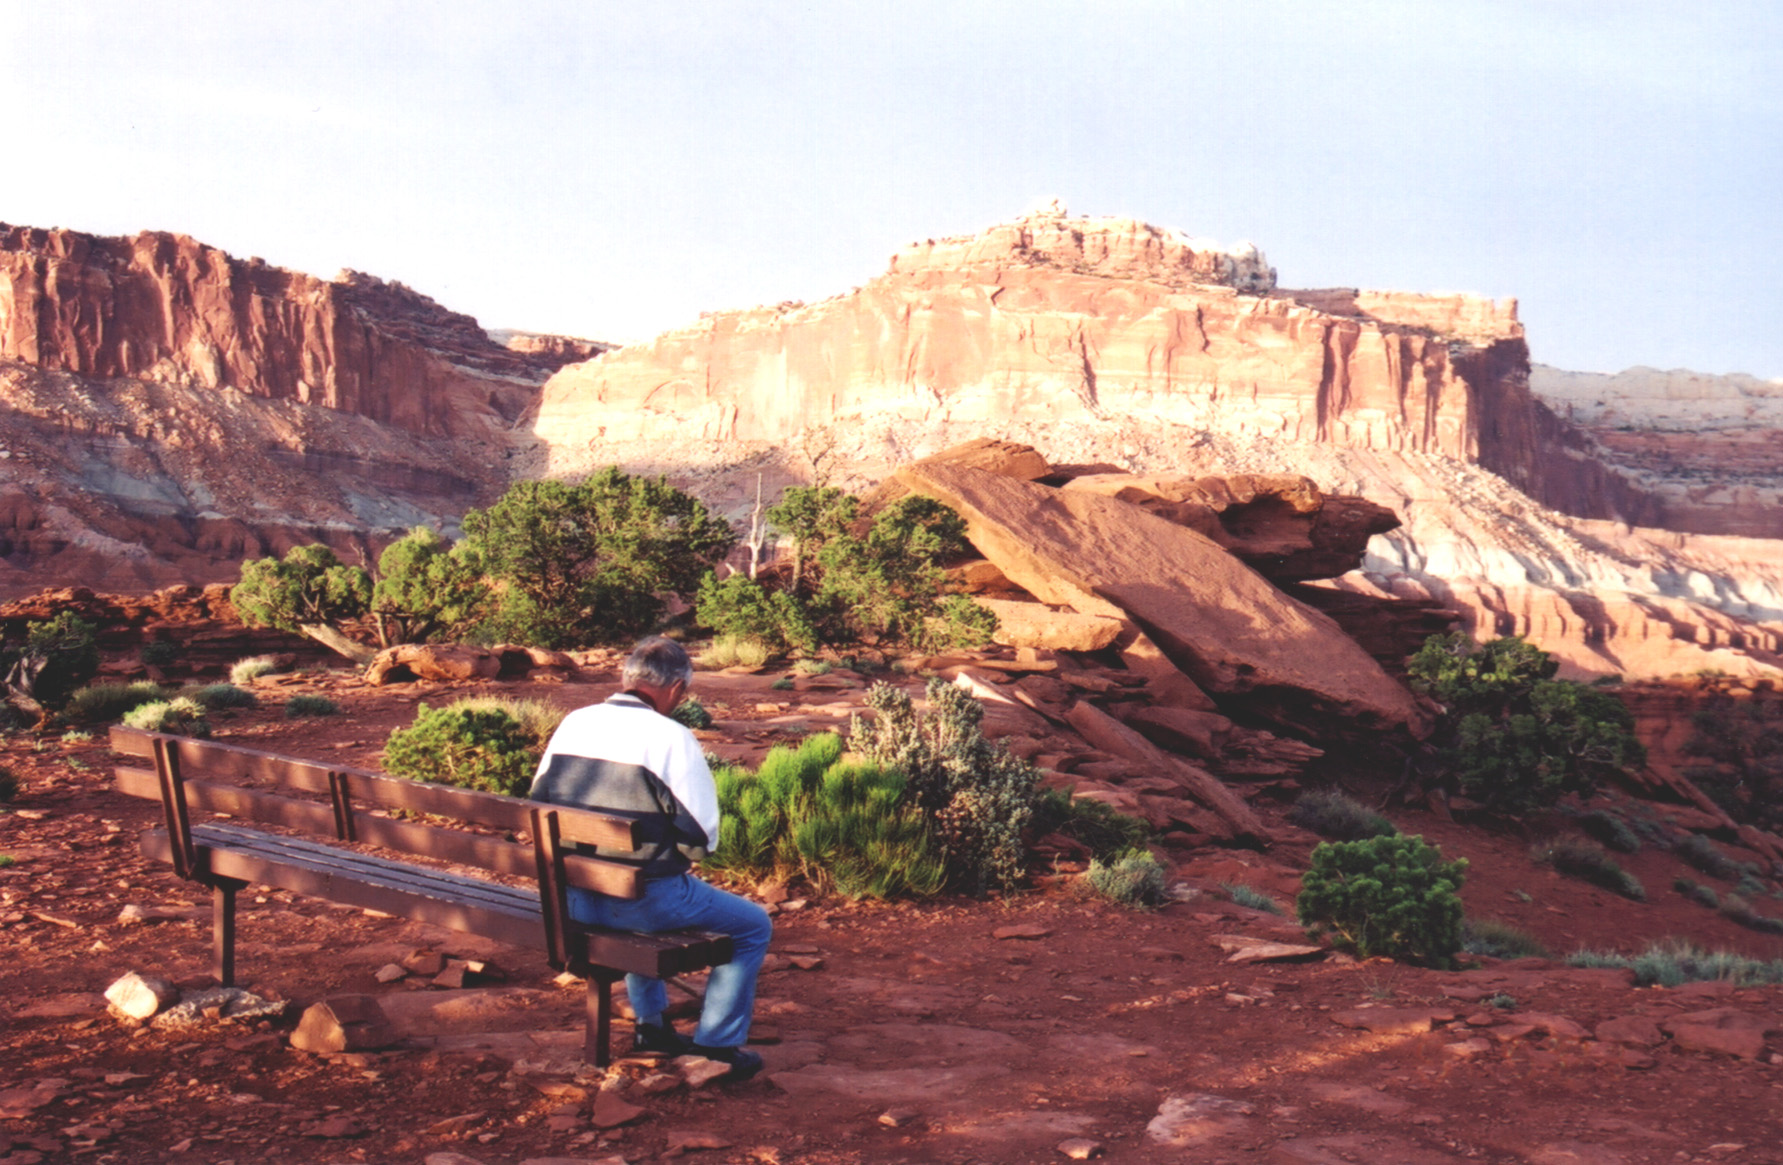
(597, 1049)
(223, 929)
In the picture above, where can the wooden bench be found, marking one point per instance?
(356, 806)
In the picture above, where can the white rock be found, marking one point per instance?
(141, 996)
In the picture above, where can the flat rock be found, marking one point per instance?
(1196, 1118)
(1024, 930)
(612, 1110)
(1358, 1096)
(1392, 1020)
(1245, 949)
(1080, 1148)
(1040, 626)
(1635, 1031)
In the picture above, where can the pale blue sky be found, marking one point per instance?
(612, 169)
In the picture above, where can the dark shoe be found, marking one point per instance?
(744, 1063)
(659, 1039)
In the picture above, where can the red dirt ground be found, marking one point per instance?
(919, 1036)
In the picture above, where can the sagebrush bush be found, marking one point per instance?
(1392, 896)
(1701, 853)
(1611, 830)
(813, 667)
(245, 671)
(179, 716)
(1332, 814)
(1106, 831)
(1251, 897)
(1590, 863)
(976, 796)
(9, 784)
(158, 653)
(734, 651)
(1501, 940)
(216, 697)
(1736, 909)
(1132, 878)
(538, 719)
(1673, 961)
(298, 707)
(473, 748)
(842, 826)
(1697, 892)
(103, 703)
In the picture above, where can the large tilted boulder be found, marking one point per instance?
(1212, 616)
(1282, 525)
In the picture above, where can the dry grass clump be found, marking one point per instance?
(734, 651)
(1590, 863)
(245, 671)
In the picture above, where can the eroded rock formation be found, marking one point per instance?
(166, 306)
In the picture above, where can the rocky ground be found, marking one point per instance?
(1036, 1028)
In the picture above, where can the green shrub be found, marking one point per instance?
(158, 653)
(1392, 896)
(9, 784)
(730, 651)
(740, 608)
(1590, 863)
(1500, 940)
(1251, 897)
(1506, 1002)
(179, 716)
(692, 713)
(7, 861)
(427, 589)
(538, 719)
(1340, 818)
(1512, 737)
(1743, 741)
(473, 748)
(957, 622)
(216, 697)
(1104, 830)
(103, 703)
(298, 707)
(58, 656)
(783, 684)
(1611, 830)
(1132, 878)
(1669, 963)
(590, 560)
(1701, 853)
(813, 667)
(308, 592)
(976, 796)
(246, 671)
(842, 826)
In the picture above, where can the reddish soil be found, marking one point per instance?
(917, 1034)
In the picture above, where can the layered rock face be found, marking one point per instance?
(1691, 452)
(167, 307)
(1055, 321)
(167, 410)
(1113, 347)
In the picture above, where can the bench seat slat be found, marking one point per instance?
(231, 762)
(509, 914)
(603, 876)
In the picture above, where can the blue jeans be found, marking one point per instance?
(685, 901)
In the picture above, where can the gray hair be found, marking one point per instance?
(659, 662)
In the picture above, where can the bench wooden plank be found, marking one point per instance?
(234, 763)
(508, 914)
(602, 876)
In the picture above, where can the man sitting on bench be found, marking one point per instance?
(626, 754)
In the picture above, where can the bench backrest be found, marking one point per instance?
(184, 774)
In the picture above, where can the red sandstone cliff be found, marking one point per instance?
(165, 306)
